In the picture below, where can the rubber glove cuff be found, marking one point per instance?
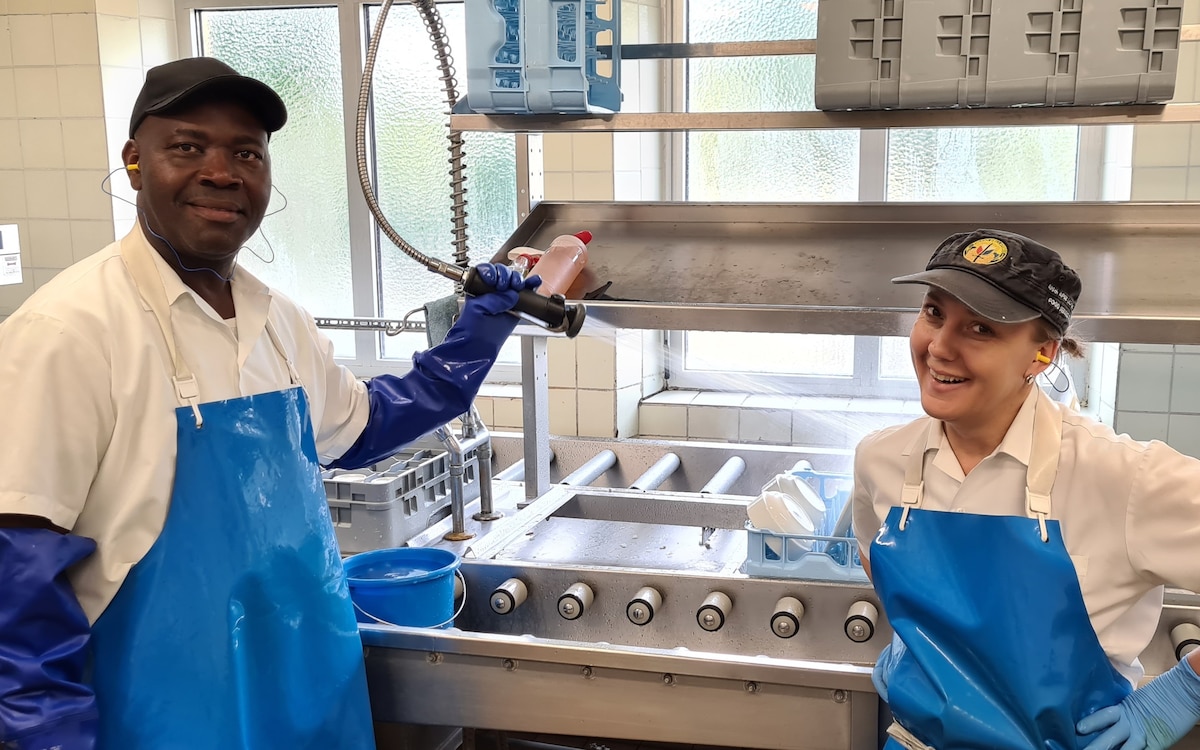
(44, 636)
(885, 665)
(1155, 716)
(73, 733)
(445, 379)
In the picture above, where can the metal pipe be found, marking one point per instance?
(662, 469)
(514, 473)
(474, 427)
(457, 450)
(595, 466)
(801, 465)
(725, 477)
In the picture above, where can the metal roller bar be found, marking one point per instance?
(600, 463)
(725, 477)
(710, 49)
(1139, 114)
(662, 469)
(514, 473)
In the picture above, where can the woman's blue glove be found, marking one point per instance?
(886, 664)
(445, 379)
(1153, 717)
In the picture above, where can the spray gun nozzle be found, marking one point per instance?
(553, 313)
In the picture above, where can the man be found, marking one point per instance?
(171, 579)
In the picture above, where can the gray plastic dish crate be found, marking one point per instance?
(912, 54)
(819, 556)
(542, 56)
(396, 499)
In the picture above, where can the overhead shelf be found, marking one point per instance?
(827, 267)
(911, 118)
(907, 118)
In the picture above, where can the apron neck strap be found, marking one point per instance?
(1039, 478)
(150, 286)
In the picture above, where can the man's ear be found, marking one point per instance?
(130, 156)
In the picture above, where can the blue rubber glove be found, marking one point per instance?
(886, 664)
(1153, 717)
(444, 380)
(44, 636)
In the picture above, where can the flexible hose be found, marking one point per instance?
(437, 32)
(458, 191)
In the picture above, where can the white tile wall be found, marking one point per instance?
(1142, 426)
(561, 356)
(562, 409)
(597, 413)
(1183, 433)
(32, 41)
(1144, 382)
(41, 143)
(53, 104)
(663, 420)
(765, 426)
(75, 41)
(5, 42)
(712, 422)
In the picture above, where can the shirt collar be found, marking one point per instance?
(1017, 442)
(245, 285)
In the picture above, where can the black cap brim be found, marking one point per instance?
(977, 294)
(255, 95)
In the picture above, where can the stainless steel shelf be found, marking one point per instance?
(915, 118)
(827, 268)
(906, 118)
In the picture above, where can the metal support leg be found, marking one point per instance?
(535, 412)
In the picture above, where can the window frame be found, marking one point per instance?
(353, 35)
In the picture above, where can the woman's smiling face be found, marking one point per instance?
(970, 368)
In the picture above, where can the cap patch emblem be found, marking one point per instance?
(986, 252)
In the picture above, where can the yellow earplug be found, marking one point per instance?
(132, 168)
(1042, 358)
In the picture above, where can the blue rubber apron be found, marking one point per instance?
(235, 631)
(1001, 653)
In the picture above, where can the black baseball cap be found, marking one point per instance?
(173, 85)
(1004, 277)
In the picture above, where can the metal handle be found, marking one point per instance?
(553, 312)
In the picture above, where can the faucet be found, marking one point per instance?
(475, 437)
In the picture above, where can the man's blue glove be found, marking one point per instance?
(44, 637)
(886, 664)
(444, 380)
(1153, 717)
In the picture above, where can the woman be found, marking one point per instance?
(1020, 549)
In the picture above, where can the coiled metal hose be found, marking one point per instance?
(441, 47)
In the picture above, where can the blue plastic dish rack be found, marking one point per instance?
(541, 57)
(816, 556)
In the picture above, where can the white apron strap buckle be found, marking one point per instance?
(1037, 504)
(188, 391)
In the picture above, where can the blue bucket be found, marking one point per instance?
(410, 586)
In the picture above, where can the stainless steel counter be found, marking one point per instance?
(826, 268)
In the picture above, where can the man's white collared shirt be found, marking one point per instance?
(88, 404)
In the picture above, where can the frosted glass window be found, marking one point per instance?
(308, 255)
(895, 358)
(983, 164)
(769, 353)
(761, 166)
(412, 164)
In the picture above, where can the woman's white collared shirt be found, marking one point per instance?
(1129, 511)
(88, 404)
